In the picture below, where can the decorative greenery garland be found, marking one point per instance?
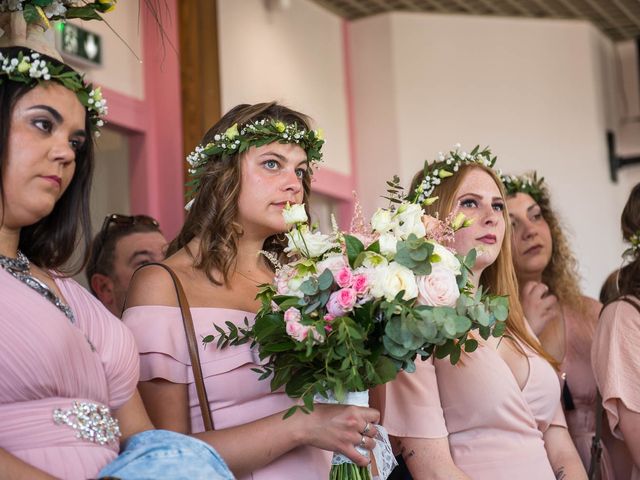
(41, 11)
(236, 140)
(31, 69)
(528, 183)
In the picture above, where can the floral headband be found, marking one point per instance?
(528, 183)
(30, 69)
(236, 140)
(41, 11)
(634, 249)
(446, 166)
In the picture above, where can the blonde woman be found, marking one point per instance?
(497, 414)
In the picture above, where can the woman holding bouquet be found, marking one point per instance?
(557, 311)
(614, 354)
(252, 163)
(497, 415)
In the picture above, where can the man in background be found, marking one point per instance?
(123, 244)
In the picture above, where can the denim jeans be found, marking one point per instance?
(156, 454)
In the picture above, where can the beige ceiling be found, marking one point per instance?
(619, 19)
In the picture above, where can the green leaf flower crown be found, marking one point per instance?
(528, 183)
(30, 68)
(236, 140)
(634, 249)
(41, 11)
(446, 166)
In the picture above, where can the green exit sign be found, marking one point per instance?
(79, 44)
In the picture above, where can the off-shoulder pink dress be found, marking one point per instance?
(495, 429)
(236, 396)
(47, 364)
(616, 363)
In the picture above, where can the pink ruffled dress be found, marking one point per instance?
(236, 396)
(495, 429)
(47, 364)
(616, 366)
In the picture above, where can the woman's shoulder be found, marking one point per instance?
(152, 285)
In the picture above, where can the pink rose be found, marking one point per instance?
(329, 318)
(360, 283)
(333, 306)
(297, 331)
(342, 301)
(343, 277)
(334, 263)
(439, 289)
(431, 224)
(328, 328)
(292, 315)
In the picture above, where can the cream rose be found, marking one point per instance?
(389, 280)
(381, 221)
(438, 289)
(447, 259)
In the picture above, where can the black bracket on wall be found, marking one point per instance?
(616, 162)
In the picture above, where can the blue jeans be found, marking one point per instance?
(163, 454)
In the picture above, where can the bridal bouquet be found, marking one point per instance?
(351, 310)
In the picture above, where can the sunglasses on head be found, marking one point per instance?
(120, 220)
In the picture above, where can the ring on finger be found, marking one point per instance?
(367, 427)
(362, 441)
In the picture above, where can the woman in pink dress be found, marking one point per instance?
(496, 415)
(614, 355)
(559, 314)
(69, 368)
(253, 162)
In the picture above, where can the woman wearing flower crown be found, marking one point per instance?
(69, 368)
(557, 311)
(252, 163)
(497, 415)
(614, 355)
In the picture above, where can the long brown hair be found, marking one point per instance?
(213, 215)
(499, 278)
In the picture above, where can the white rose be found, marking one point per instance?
(381, 221)
(377, 280)
(335, 263)
(388, 242)
(447, 259)
(308, 244)
(397, 278)
(408, 220)
(438, 289)
(294, 214)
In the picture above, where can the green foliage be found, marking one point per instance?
(415, 253)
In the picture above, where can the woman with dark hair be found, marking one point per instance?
(69, 369)
(495, 415)
(252, 163)
(614, 355)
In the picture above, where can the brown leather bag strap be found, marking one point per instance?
(192, 343)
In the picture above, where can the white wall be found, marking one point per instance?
(539, 92)
(121, 71)
(293, 55)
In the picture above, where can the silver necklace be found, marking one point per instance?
(20, 268)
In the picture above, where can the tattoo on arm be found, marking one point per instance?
(406, 455)
(560, 475)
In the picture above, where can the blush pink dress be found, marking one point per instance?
(236, 396)
(616, 363)
(581, 420)
(47, 364)
(495, 429)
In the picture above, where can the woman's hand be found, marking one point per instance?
(540, 307)
(339, 428)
